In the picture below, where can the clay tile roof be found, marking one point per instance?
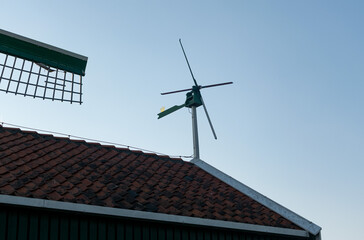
(47, 167)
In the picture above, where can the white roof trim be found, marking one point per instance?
(286, 213)
(84, 208)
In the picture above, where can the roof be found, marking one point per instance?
(40, 166)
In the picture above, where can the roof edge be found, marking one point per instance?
(135, 214)
(45, 45)
(274, 206)
(38, 52)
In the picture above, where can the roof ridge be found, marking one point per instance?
(94, 142)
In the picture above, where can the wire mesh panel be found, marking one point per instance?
(37, 80)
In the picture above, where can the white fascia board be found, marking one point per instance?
(32, 41)
(134, 214)
(286, 213)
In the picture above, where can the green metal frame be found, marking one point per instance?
(38, 52)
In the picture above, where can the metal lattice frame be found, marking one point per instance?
(37, 80)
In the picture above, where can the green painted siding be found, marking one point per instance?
(37, 224)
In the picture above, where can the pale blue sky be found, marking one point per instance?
(291, 125)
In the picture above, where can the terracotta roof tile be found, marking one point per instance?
(46, 167)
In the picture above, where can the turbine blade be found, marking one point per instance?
(189, 89)
(208, 118)
(177, 91)
(184, 53)
(216, 85)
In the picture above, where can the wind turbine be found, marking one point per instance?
(193, 100)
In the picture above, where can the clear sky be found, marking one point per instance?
(291, 125)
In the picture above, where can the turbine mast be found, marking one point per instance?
(196, 146)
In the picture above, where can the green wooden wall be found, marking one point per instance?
(37, 224)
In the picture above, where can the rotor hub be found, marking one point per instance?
(193, 98)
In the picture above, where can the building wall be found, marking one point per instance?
(17, 223)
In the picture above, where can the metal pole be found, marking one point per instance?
(196, 148)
